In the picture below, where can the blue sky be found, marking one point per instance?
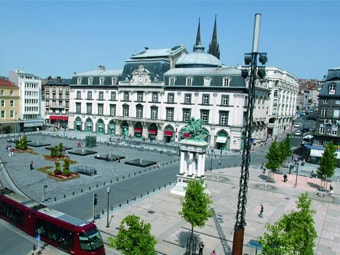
(59, 37)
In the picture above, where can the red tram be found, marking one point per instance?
(68, 233)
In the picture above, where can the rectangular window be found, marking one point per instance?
(2, 92)
(187, 98)
(78, 107)
(11, 93)
(101, 80)
(205, 116)
(226, 82)
(323, 112)
(154, 97)
(189, 81)
(139, 112)
(225, 100)
(337, 101)
(112, 110)
(331, 88)
(224, 118)
(172, 81)
(89, 108)
(2, 102)
(205, 99)
(90, 81)
(100, 109)
(2, 114)
(113, 81)
(336, 114)
(186, 115)
(170, 114)
(325, 101)
(79, 81)
(101, 95)
(154, 113)
(125, 111)
(78, 95)
(89, 95)
(171, 98)
(275, 93)
(126, 96)
(140, 96)
(11, 113)
(334, 130)
(113, 95)
(321, 129)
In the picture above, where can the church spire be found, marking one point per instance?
(198, 46)
(214, 48)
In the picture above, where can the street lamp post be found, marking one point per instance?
(44, 187)
(255, 73)
(108, 205)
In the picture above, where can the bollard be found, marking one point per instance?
(104, 184)
(102, 211)
(110, 181)
(127, 201)
(64, 196)
(55, 199)
(73, 193)
(81, 190)
(141, 195)
(97, 185)
(89, 188)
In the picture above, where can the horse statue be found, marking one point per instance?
(195, 129)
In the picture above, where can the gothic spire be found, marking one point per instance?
(198, 46)
(214, 48)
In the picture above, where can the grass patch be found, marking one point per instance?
(46, 169)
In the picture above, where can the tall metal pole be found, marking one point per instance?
(242, 196)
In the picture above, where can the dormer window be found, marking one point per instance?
(226, 82)
(79, 81)
(207, 81)
(172, 81)
(90, 81)
(331, 88)
(189, 81)
(113, 81)
(101, 80)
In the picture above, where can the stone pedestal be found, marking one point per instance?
(192, 165)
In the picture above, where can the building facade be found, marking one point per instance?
(283, 104)
(57, 101)
(328, 116)
(9, 107)
(31, 99)
(159, 90)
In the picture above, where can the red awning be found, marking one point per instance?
(152, 131)
(138, 130)
(168, 132)
(186, 135)
(58, 117)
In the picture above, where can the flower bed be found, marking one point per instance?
(62, 177)
(49, 157)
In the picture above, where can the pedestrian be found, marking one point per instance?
(261, 212)
(213, 253)
(201, 246)
(31, 165)
(285, 178)
(219, 162)
(331, 189)
(158, 164)
(303, 162)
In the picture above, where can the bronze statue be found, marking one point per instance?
(195, 129)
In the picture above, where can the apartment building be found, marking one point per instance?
(9, 107)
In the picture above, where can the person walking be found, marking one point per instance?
(261, 212)
(201, 246)
(31, 165)
(213, 253)
(285, 178)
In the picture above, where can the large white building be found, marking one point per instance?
(30, 113)
(159, 90)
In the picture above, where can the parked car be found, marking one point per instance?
(298, 132)
(296, 125)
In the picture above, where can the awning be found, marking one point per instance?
(221, 139)
(186, 135)
(138, 130)
(33, 124)
(152, 131)
(168, 132)
(58, 117)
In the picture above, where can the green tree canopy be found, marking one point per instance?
(294, 233)
(328, 161)
(196, 205)
(273, 157)
(134, 237)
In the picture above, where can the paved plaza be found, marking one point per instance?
(161, 208)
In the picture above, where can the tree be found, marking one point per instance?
(288, 146)
(273, 157)
(134, 237)
(328, 161)
(196, 205)
(294, 233)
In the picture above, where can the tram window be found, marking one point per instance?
(13, 214)
(90, 240)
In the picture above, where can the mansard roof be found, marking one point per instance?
(330, 89)
(199, 74)
(159, 53)
(333, 74)
(7, 83)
